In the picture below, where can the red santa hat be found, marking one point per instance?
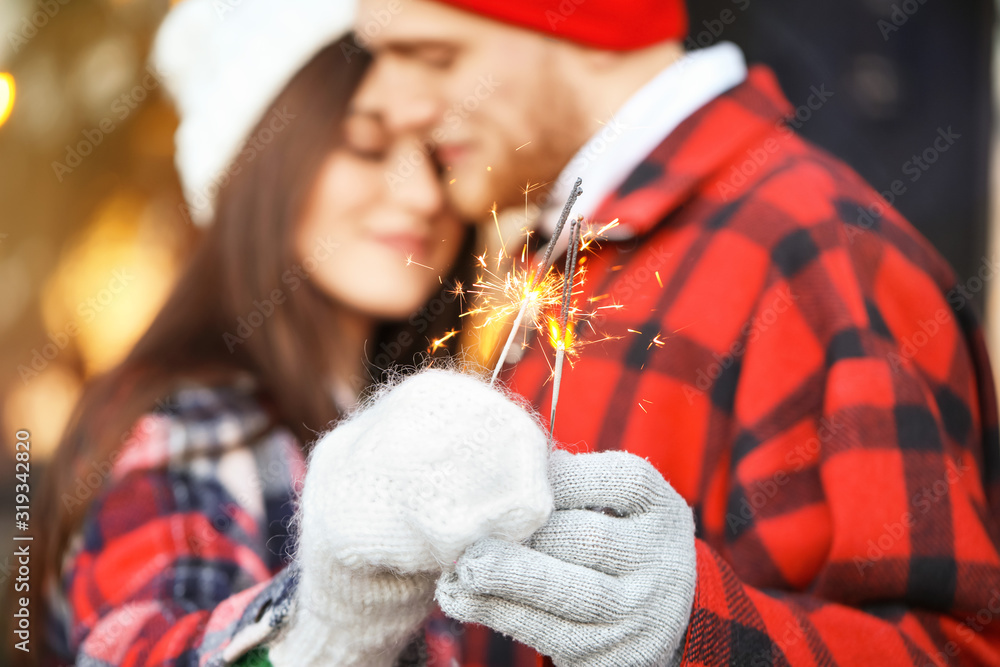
(606, 24)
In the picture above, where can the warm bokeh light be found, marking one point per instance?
(43, 407)
(108, 287)
(7, 94)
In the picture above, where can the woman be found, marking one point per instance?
(311, 264)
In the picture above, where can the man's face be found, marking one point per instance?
(488, 97)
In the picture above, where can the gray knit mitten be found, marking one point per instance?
(608, 582)
(392, 497)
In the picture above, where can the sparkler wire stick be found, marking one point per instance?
(568, 279)
(539, 272)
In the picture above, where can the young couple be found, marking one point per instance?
(795, 527)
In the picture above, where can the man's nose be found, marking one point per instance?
(406, 105)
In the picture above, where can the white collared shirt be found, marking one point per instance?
(639, 126)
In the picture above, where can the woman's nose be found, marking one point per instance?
(416, 184)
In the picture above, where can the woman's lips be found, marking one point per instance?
(410, 246)
(452, 154)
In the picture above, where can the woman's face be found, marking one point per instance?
(377, 226)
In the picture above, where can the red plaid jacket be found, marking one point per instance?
(810, 377)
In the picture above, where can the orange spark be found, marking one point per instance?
(409, 261)
(438, 343)
(610, 225)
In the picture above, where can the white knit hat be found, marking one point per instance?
(223, 63)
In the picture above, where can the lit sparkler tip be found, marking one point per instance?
(560, 340)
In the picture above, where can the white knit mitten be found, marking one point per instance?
(392, 497)
(609, 581)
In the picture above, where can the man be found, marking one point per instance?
(793, 358)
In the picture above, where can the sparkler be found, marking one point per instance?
(536, 279)
(564, 325)
(538, 297)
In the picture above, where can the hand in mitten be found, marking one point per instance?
(607, 582)
(393, 496)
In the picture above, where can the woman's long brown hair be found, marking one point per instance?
(246, 254)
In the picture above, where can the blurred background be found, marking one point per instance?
(93, 231)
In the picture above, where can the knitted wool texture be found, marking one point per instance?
(392, 497)
(223, 64)
(604, 24)
(609, 581)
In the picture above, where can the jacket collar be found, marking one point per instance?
(706, 142)
(641, 124)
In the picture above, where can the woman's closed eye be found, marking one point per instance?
(365, 137)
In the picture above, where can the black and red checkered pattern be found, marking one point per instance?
(802, 367)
